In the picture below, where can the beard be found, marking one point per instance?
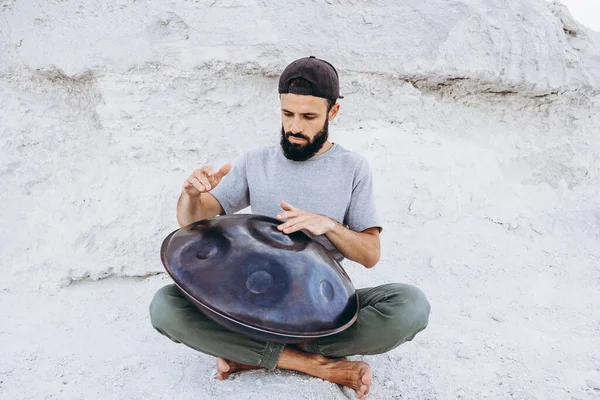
(302, 152)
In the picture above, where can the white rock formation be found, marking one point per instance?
(106, 108)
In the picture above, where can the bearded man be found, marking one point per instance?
(316, 186)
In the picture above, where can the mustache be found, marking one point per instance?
(296, 135)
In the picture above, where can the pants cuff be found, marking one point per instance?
(271, 355)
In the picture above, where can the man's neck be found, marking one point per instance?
(326, 146)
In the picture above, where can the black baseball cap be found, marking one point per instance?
(321, 74)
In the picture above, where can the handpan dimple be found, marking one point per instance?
(259, 282)
(326, 290)
(204, 251)
(269, 234)
(207, 251)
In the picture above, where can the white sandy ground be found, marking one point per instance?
(481, 123)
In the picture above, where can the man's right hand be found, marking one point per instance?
(204, 180)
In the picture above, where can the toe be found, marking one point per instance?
(222, 365)
(362, 391)
(222, 369)
(221, 375)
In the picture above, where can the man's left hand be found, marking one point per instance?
(298, 219)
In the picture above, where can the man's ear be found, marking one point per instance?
(333, 112)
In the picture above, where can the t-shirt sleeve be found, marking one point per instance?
(232, 192)
(362, 212)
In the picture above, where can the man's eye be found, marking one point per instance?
(310, 118)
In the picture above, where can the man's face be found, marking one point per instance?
(304, 125)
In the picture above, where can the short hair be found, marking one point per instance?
(303, 83)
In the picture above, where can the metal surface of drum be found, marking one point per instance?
(245, 274)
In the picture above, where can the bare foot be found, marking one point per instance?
(226, 368)
(353, 374)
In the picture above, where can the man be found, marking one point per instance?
(316, 186)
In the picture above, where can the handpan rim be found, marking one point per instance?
(281, 334)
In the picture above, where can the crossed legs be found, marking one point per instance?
(390, 315)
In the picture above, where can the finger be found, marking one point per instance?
(196, 184)
(190, 189)
(292, 222)
(224, 170)
(210, 175)
(288, 214)
(203, 179)
(208, 170)
(296, 227)
(288, 207)
(285, 225)
(196, 179)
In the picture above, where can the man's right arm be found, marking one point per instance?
(195, 202)
(191, 209)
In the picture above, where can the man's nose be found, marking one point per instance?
(295, 128)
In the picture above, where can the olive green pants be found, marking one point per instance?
(389, 315)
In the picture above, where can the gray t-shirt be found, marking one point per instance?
(337, 183)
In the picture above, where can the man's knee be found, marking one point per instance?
(409, 309)
(163, 307)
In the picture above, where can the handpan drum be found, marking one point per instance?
(249, 277)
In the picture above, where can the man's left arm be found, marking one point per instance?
(361, 247)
